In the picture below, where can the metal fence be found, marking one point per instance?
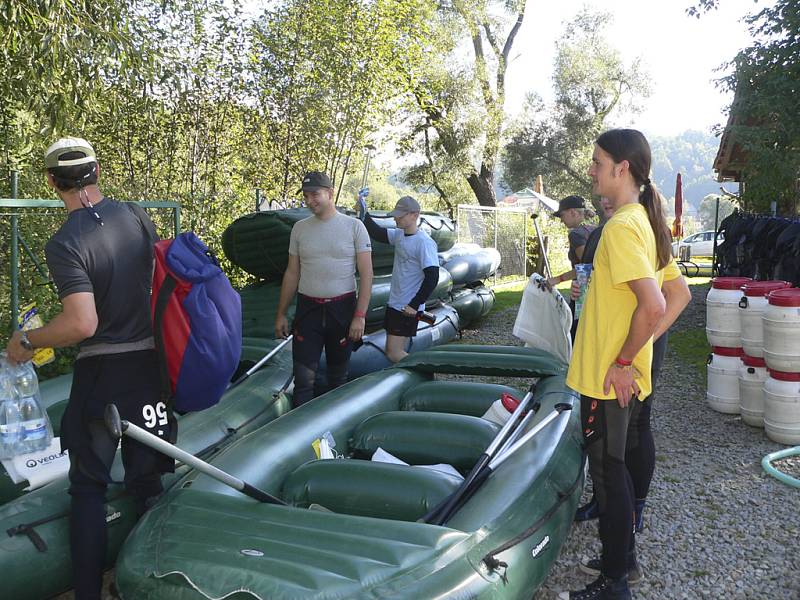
(505, 229)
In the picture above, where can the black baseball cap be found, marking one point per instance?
(315, 180)
(569, 202)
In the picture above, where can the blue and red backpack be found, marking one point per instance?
(197, 323)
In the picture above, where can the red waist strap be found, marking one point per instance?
(327, 300)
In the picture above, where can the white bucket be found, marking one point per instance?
(752, 376)
(751, 308)
(723, 326)
(781, 321)
(723, 379)
(782, 407)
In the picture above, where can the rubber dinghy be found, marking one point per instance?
(34, 545)
(259, 242)
(362, 536)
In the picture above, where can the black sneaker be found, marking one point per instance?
(592, 567)
(589, 511)
(601, 588)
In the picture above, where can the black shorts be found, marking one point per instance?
(397, 323)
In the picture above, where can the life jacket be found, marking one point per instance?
(197, 323)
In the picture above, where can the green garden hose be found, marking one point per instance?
(766, 464)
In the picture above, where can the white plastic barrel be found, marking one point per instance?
(723, 326)
(723, 379)
(751, 308)
(782, 407)
(752, 376)
(781, 321)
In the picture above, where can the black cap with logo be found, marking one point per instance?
(569, 202)
(315, 180)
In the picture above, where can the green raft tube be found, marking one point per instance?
(34, 545)
(353, 528)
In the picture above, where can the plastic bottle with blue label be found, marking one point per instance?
(582, 273)
(10, 420)
(37, 432)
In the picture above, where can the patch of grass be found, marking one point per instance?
(508, 296)
(691, 346)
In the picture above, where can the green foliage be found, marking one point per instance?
(691, 154)
(707, 210)
(457, 113)
(766, 112)
(591, 84)
(556, 238)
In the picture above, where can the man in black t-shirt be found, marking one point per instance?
(101, 260)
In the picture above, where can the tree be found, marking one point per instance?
(765, 114)
(592, 84)
(324, 72)
(707, 210)
(462, 106)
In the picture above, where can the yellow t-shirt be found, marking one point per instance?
(627, 251)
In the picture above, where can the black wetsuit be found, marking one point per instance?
(114, 262)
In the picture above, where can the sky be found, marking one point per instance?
(681, 54)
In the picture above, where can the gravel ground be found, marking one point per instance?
(715, 525)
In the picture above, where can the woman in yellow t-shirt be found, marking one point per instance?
(611, 362)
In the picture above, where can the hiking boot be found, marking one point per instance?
(589, 511)
(592, 567)
(602, 588)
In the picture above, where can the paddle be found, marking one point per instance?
(258, 365)
(118, 427)
(444, 507)
(501, 457)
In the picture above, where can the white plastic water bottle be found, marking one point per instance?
(582, 273)
(37, 432)
(10, 421)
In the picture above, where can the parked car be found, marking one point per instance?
(699, 244)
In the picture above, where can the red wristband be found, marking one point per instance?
(623, 362)
(360, 314)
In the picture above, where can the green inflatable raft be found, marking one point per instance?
(260, 303)
(34, 547)
(355, 528)
(259, 242)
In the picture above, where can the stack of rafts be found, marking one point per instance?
(259, 243)
(754, 369)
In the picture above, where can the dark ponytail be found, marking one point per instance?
(631, 145)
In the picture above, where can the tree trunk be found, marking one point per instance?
(482, 185)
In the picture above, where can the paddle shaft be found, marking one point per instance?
(501, 458)
(548, 273)
(261, 362)
(365, 176)
(441, 511)
(508, 451)
(148, 439)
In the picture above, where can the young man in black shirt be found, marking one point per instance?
(101, 260)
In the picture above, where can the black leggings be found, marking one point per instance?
(605, 430)
(130, 380)
(640, 452)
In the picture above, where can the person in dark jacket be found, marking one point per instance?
(101, 260)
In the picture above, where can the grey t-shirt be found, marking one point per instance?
(115, 263)
(412, 254)
(327, 252)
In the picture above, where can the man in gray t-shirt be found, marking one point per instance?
(324, 252)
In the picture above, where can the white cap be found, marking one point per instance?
(63, 146)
